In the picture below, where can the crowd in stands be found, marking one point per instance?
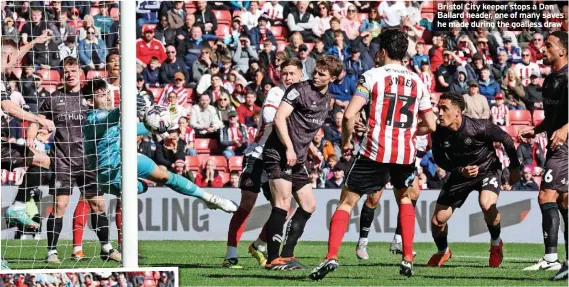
(89, 279)
(212, 64)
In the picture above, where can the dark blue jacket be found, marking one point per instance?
(151, 77)
(255, 37)
(489, 90)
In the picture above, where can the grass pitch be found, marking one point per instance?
(199, 264)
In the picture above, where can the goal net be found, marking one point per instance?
(72, 42)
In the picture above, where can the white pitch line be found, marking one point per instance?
(505, 257)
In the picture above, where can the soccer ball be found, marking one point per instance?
(157, 120)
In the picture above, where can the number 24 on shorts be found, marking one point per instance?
(490, 180)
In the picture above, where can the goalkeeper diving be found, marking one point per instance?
(102, 148)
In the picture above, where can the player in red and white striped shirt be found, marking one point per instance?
(499, 112)
(395, 99)
(177, 87)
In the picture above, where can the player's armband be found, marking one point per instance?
(362, 92)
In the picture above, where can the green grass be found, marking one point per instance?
(199, 262)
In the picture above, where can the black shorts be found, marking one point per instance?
(367, 176)
(64, 178)
(555, 174)
(457, 188)
(13, 156)
(298, 174)
(253, 177)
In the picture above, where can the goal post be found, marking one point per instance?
(127, 33)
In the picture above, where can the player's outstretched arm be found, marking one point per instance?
(15, 111)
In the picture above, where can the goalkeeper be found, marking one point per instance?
(102, 148)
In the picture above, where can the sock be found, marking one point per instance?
(338, 226)
(366, 218)
(398, 228)
(397, 237)
(440, 238)
(407, 218)
(118, 221)
(80, 217)
(263, 234)
(550, 257)
(564, 216)
(275, 225)
(182, 185)
(100, 224)
(107, 247)
(31, 180)
(237, 226)
(294, 231)
(54, 226)
(77, 248)
(495, 233)
(260, 244)
(550, 226)
(362, 241)
(231, 252)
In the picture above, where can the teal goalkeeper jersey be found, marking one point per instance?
(102, 139)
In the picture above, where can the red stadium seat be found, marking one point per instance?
(49, 76)
(193, 163)
(224, 176)
(222, 30)
(156, 92)
(281, 45)
(93, 74)
(236, 163)
(429, 6)
(95, 11)
(17, 72)
(522, 117)
(50, 88)
(82, 78)
(512, 130)
(237, 13)
(190, 5)
(190, 98)
(223, 16)
(280, 33)
(115, 13)
(362, 17)
(537, 117)
(205, 146)
(220, 162)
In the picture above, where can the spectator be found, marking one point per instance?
(527, 183)
(481, 34)
(260, 34)
(152, 72)
(337, 180)
(15, 95)
(203, 64)
(514, 53)
(438, 180)
(308, 63)
(239, 5)
(536, 48)
(47, 56)
(343, 89)
(39, 95)
(295, 42)
(142, 88)
(207, 19)
(9, 30)
(204, 119)
(325, 147)
(428, 78)
(315, 179)
(333, 132)
(526, 67)
(244, 54)
(318, 50)
(235, 79)
(476, 104)
(534, 98)
(176, 110)
(171, 66)
(485, 50)
(250, 17)
(499, 67)
(502, 34)
(191, 48)
(436, 52)
(68, 48)
(177, 15)
(147, 12)
(354, 66)
(488, 87)
(178, 88)
(181, 168)
(420, 57)
(339, 49)
(340, 9)
(413, 34)
(391, 13)
(252, 131)
(371, 24)
(164, 33)
(27, 82)
(233, 179)
(188, 135)
(205, 80)
(300, 21)
(223, 106)
(351, 24)
(499, 112)
(475, 67)
(88, 22)
(460, 81)
(103, 20)
(268, 56)
(144, 146)
(321, 23)
(531, 153)
(170, 149)
(246, 110)
(328, 37)
(446, 71)
(233, 137)
(368, 49)
(185, 31)
(35, 27)
(209, 177)
(364, 6)
(148, 47)
(513, 91)
(275, 12)
(455, 41)
(232, 38)
(216, 89)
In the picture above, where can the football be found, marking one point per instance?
(157, 120)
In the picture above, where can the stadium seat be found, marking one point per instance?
(237, 13)
(220, 161)
(537, 117)
(236, 163)
(17, 72)
(224, 176)
(115, 13)
(522, 117)
(281, 45)
(93, 74)
(193, 162)
(82, 78)
(156, 92)
(223, 16)
(362, 17)
(151, 26)
(429, 6)
(512, 130)
(50, 88)
(280, 33)
(190, 98)
(205, 146)
(95, 11)
(190, 5)
(222, 30)
(49, 76)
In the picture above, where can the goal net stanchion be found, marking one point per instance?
(129, 179)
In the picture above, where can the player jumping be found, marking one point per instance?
(395, 99)
(300, 115)
(253, 177)
(465, 147)
(553, 191)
